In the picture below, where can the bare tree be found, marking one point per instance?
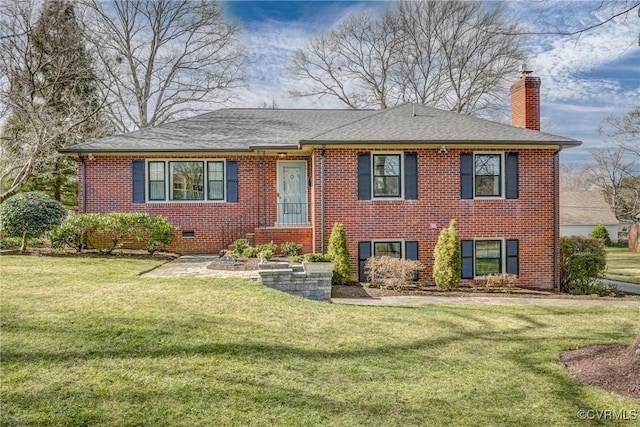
(445, 54)
(624, 131)
(353, 62)
(615, 174)
(45, 90)
(575, 177)
(163, 59)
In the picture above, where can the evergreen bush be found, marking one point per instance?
(30, 214)
(584, 270)
(570, 245)
(601, 232)
(447, 263)
(338, 250)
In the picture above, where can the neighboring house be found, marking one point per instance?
(393, 177)
(581, 211)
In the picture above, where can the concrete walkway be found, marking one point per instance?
(196, 266)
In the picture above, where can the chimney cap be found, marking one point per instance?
(524, 69)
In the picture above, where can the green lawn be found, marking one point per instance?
(623, 265)
(87, 341)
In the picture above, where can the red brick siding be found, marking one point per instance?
(215, 224)
(525, 102)
(528, 218)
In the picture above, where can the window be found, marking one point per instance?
(215, 180)
(392, 249)
(156, 181)
(488, 168)
(399, 249)
(489, 175)
(489, 256)
(188, 180)
(386, 175)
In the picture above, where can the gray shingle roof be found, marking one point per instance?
(585, 208)
(246, 129)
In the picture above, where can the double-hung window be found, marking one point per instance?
(387, 176)
(482, 257)
(489, 175)
(405, 249)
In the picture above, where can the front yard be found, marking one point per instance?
(86, 341)
(623, 265)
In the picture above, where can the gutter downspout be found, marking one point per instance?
(556, 208)
(322, 206)
(84, 184)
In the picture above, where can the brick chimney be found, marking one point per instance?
(525, 101)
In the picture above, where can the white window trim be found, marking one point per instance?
(402, 173)
(502, 175)
(167, 179)
(503, 255)
(401, 241)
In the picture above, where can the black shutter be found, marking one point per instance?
(511, 176)
(364, 253)
(466, 176)
(466, 249)
(232, 181)
(411, 176)
(411, 252)
(137, 178)
(364, 176)
(512, 256)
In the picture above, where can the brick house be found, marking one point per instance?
(393, 177)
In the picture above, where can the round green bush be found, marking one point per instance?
(601, 232)
(30, 214)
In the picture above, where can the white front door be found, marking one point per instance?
(292, 192)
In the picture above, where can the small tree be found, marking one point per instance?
(600, 232)
(447, 263)
(338, 251)
(30, 215)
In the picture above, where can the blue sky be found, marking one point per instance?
(584, 78)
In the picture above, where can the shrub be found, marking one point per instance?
(83, 231)
(239, 247)
(570, 245)
(447, 263)
(390, 272)
(291, 249)
(318, 258)
(30, 214)
(116, 226)
(266, 247)
(506, 280)
(601, 232)
(266, 253)
(338, 251)
(160, 233)
(249, 252)
(584, 270)
(75, 231)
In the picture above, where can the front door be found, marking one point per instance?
(292, 192)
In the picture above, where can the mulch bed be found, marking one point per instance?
(608, 367)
